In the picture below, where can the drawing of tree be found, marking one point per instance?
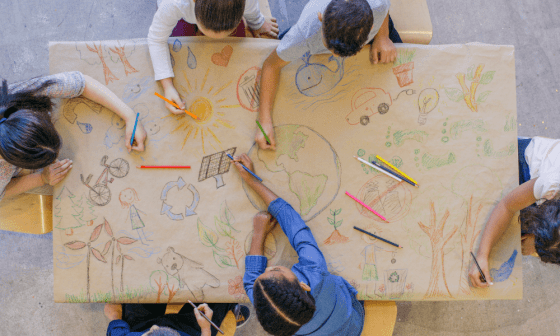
(88, 214)
(468, 95)
(438, 242)
(119, 50)
(109, 77)
(65, 200)
(116, 242)
(335, 237)
(468, 237)
(160, 281)
(78, 245)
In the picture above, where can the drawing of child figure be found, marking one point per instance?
(369, 270)
(127, 197)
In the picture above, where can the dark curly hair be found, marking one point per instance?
(544, 222)
(28, 138)
(346, 26)
(282, 306)
(219, 15)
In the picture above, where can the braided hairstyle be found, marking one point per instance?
(282, 306)
(28, 138)
(346, 26)
(544, 222)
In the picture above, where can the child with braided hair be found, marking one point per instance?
(303, 300)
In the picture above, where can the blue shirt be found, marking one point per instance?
(338, 311)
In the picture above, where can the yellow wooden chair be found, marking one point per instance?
(27, 213)
(412, 20)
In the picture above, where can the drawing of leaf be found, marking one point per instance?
(454, 94)
(207, 236)
(128, 257)
(118, 259)
(487, 77)
(108, 228)
(222, 228)
(222, 260)
(107, 246)
(482, 97)
(119, 247)
(75, 245)
(98, 255)
(126, 240)
(331, 221)
(332, 212)
(96, 232)
(227, 215)
(339, 223)
(470, 73)
(338, 211)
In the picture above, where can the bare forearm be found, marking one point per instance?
(206, 332)
(257, 244)
(19, 185)
(269, 85)
(100, 94)
(266, 194)
(384, 29)
(495, 227)
(166, 83)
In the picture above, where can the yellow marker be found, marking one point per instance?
(395, 168)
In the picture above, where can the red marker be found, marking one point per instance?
(165, 167)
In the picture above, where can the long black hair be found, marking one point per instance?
(544, 222)
(282, 306)
(28, 138)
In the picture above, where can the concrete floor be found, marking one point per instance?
(533, 26)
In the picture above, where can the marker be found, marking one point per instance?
(396, 169)
(207, 319)
(164, 167)
(479, 269)
(134, 130)
(382, 239)
(247, 169)
(177, 106)
(381, 170)
(262, 130)
(365, 206)
(396, 174)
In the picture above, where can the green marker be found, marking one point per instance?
(265, 136)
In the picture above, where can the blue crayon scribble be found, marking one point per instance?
(502, 274)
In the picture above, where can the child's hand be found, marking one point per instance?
(246, 161)
(263, 223)
(382, 50)
(113, 311)
(474, 274)
(202, 323)
(261, 140)
(54, 173)
(139, 136)
(269, 27)
(171, 93)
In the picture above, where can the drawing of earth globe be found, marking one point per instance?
(304, 170)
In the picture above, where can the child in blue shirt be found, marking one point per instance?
(306, 300)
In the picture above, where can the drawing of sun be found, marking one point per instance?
(207, 102)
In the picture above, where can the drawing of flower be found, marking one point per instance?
(382, 288)
(235, 286)
(410, 287)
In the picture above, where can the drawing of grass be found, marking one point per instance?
(128, 295)
(404, 56)
(430, 161)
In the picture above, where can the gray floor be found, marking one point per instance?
(533, 26)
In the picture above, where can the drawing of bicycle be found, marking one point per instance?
(100, 193)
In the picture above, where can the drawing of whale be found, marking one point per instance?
(314, 79)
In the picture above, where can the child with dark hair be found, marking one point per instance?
(151, 320)
(539, 182)
(340, 27)
(213, 18)
(28, 138)
(303, 300)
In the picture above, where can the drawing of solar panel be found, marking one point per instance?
(215, 165)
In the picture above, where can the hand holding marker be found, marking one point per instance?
(247, 169)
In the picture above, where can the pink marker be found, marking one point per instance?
(365, 206)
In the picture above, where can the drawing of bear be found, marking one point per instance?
(183, 268)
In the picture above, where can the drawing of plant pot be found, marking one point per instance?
(403, 73)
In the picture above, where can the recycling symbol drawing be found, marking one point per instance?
(189, 210)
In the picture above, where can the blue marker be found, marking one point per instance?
(134, 130)
(247, 169)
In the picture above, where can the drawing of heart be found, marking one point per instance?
(222, 58)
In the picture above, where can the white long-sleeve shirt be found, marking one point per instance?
(168, 14)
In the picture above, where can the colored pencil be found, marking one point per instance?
(396, 174)
(134, 130)
(177, 106)
(382, 239)
(165, 167)
(247, 169)
(207, 319)
(262, 130)
(381, 170)
(396, 169)
(365, 206)
(479, 269)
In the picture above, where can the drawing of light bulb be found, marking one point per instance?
(427, 102)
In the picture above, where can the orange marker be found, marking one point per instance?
(177, 106)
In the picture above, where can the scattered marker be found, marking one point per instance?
(382, 239)
(134, 130)
(365, 206)
(177, 106)
(164, 167)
